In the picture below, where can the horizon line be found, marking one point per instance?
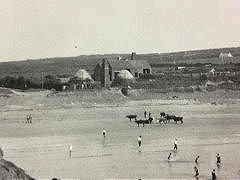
(123, 53)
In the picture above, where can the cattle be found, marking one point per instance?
(162, 114)
(176, 119)
(163, 120)
(130, 117)
(143, 122)
(169, 117)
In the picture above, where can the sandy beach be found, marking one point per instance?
(41, 148)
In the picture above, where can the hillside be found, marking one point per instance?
(69, 65)
(8, 170)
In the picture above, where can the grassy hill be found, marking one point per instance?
(33, 69)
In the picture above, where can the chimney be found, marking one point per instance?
(133, 56)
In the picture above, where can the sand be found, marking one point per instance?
(41, 148)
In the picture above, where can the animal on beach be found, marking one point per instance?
(131, 116)
(143, 122)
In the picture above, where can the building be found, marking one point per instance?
(225, 55)
(108, 69)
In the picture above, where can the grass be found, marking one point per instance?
(33, 69)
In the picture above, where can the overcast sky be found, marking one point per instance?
(53, 28)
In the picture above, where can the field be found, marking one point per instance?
(41, 148)
(34, 69)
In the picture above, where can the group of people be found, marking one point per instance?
(29, 118)
(149, 114)
(213, 171)
(175, 148)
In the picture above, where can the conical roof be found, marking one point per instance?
(82, 74)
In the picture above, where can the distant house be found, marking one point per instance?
(180, 67)
(225, 55)
(108, 69)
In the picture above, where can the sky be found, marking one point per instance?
(32, 29)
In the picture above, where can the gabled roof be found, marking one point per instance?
(140, 64)
(120, 64)
(128, 64)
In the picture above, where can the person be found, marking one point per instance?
(139, 141)
(30, 118)
(196, 172)
(145, 114)
(196, 160)
(175, 145)
(218, 159)
(149, 114)
(213, 174)
(169, 156)
(104, 132)
(70, 150)
(27, 119)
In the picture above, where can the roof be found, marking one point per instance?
(128, 64)
(140, 64)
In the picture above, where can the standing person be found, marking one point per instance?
(149, 114)
(175, 145)
(27, 118)
(196, 160)
(30, 118)
(196, 172)
(140, 142)
(218, 159)
(70, 150)
(213, 174)
(169, 156)
(145, 114)
(104, 133)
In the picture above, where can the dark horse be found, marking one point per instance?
(147, 121)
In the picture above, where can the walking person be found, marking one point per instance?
(213, 174)
(196, 172)
(70, 151)
(145, 114)
(196, 160)
(218, 159)
(169, 156)
(175, 145)
(139, 142)
(104, 133)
